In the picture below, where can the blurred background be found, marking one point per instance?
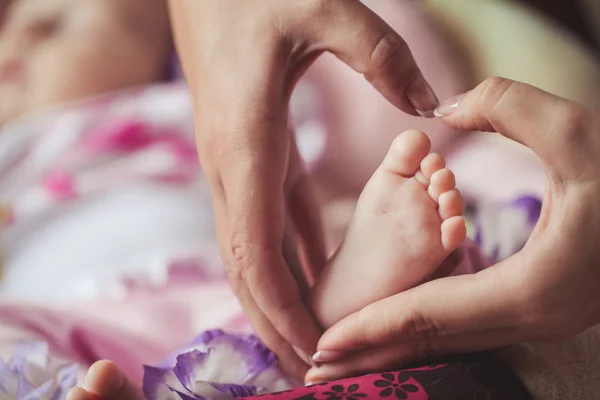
(93, 107)
(106, 218)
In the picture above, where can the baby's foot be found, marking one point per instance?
(408, 220)
(105, 380)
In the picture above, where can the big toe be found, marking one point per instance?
(105, 380)
(406, 153)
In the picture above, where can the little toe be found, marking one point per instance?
(454, 232)
(451, 204)
(440, 182)
(406, 153)
(431, 164)
(107, 381)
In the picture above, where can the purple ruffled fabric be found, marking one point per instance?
(29, 375)
(216, 365)
(503, 229)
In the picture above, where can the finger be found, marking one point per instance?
(305, 216)
(361, 39)
(458, 305)
(253, 185)
(259, 262)
(528, 115)
(240, 116)
(288, 358)
(291, 361)
(386, 358)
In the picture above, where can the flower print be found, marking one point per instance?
(395, 385)
(216, 365)
(338, 392)
(29, 375)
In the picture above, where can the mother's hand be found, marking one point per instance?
(548, 291)
(242, 59)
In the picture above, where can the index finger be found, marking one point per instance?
(367, 44)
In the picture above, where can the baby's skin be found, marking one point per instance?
(408, 220)
(57, 51)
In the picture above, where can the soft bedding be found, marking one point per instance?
(85, 188)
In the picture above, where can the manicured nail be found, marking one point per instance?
(304, 356)
(327, 356)
(421, 97)
(448, 106)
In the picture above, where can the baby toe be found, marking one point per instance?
(451, 204)
(440, 182)
(406, 153)
(431, 164)
(454, 232)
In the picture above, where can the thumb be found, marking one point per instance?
(553, 127)
(437, 316)
(362, 40)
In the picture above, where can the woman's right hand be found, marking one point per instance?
(548, 291)
(242, 59)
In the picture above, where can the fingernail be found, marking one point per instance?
(312, 377)
(327, 356)
(420, 95)
(304, 356)
(448, 106)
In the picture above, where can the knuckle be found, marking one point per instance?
(243, 258)
(248, 254)
(385, 49)
(492, 90)
(234, 277)
(420, 327)
(232, 268)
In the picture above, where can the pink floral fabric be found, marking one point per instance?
(478, 378)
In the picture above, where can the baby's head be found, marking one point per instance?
(57, 51)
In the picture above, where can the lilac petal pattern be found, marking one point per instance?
(199, 343)
(216, 365)
(503, 229)
(28, 375)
